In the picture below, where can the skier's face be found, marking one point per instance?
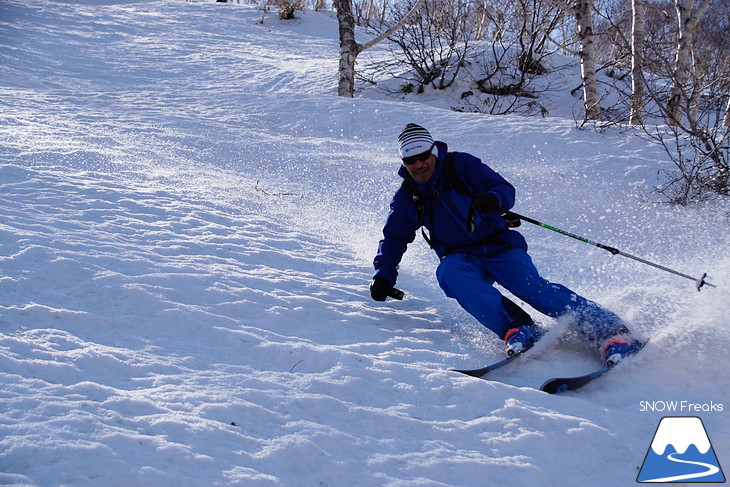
(422, 171)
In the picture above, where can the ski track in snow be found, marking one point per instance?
(187, 220)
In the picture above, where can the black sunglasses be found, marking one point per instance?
(410, 160)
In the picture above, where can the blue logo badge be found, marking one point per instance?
(409, 149)
(681, 452)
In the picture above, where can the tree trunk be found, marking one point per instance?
(637, 51)
(681, 64)
(349, 49)
(482, 19)
(582, 12)
(726, 121)
(687, 22)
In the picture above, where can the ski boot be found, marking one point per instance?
(619, 347)
(521, 338)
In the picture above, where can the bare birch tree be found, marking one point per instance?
(680, 95)
(636, 115)
(581, 11)
(692, 55)
(350, 48)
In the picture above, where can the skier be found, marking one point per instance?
(461, 202)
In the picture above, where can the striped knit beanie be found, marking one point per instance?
(414, 140)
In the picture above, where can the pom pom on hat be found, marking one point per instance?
(414, 140)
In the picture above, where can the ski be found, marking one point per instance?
(557, 385)
(485, 370)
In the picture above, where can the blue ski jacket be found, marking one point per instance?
(445, 213)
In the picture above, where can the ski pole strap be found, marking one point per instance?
(698, 282)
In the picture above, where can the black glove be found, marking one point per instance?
(380, 288)
(486, 202)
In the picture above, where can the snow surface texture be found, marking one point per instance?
(188, 215)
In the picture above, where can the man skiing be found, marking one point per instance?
(460, 201)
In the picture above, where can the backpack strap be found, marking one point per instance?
(420, 204)
(460, 186)
(452, 179)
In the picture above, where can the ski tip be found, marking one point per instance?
(554, 386)
(558, 385)
(472, 373)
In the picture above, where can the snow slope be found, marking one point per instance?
(188, 216)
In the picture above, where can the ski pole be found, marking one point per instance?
(698, 282)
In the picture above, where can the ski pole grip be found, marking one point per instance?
(396, 294)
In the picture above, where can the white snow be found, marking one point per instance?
(188, 215)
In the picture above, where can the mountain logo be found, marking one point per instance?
(681, 452)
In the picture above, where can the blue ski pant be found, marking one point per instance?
(470, 280)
